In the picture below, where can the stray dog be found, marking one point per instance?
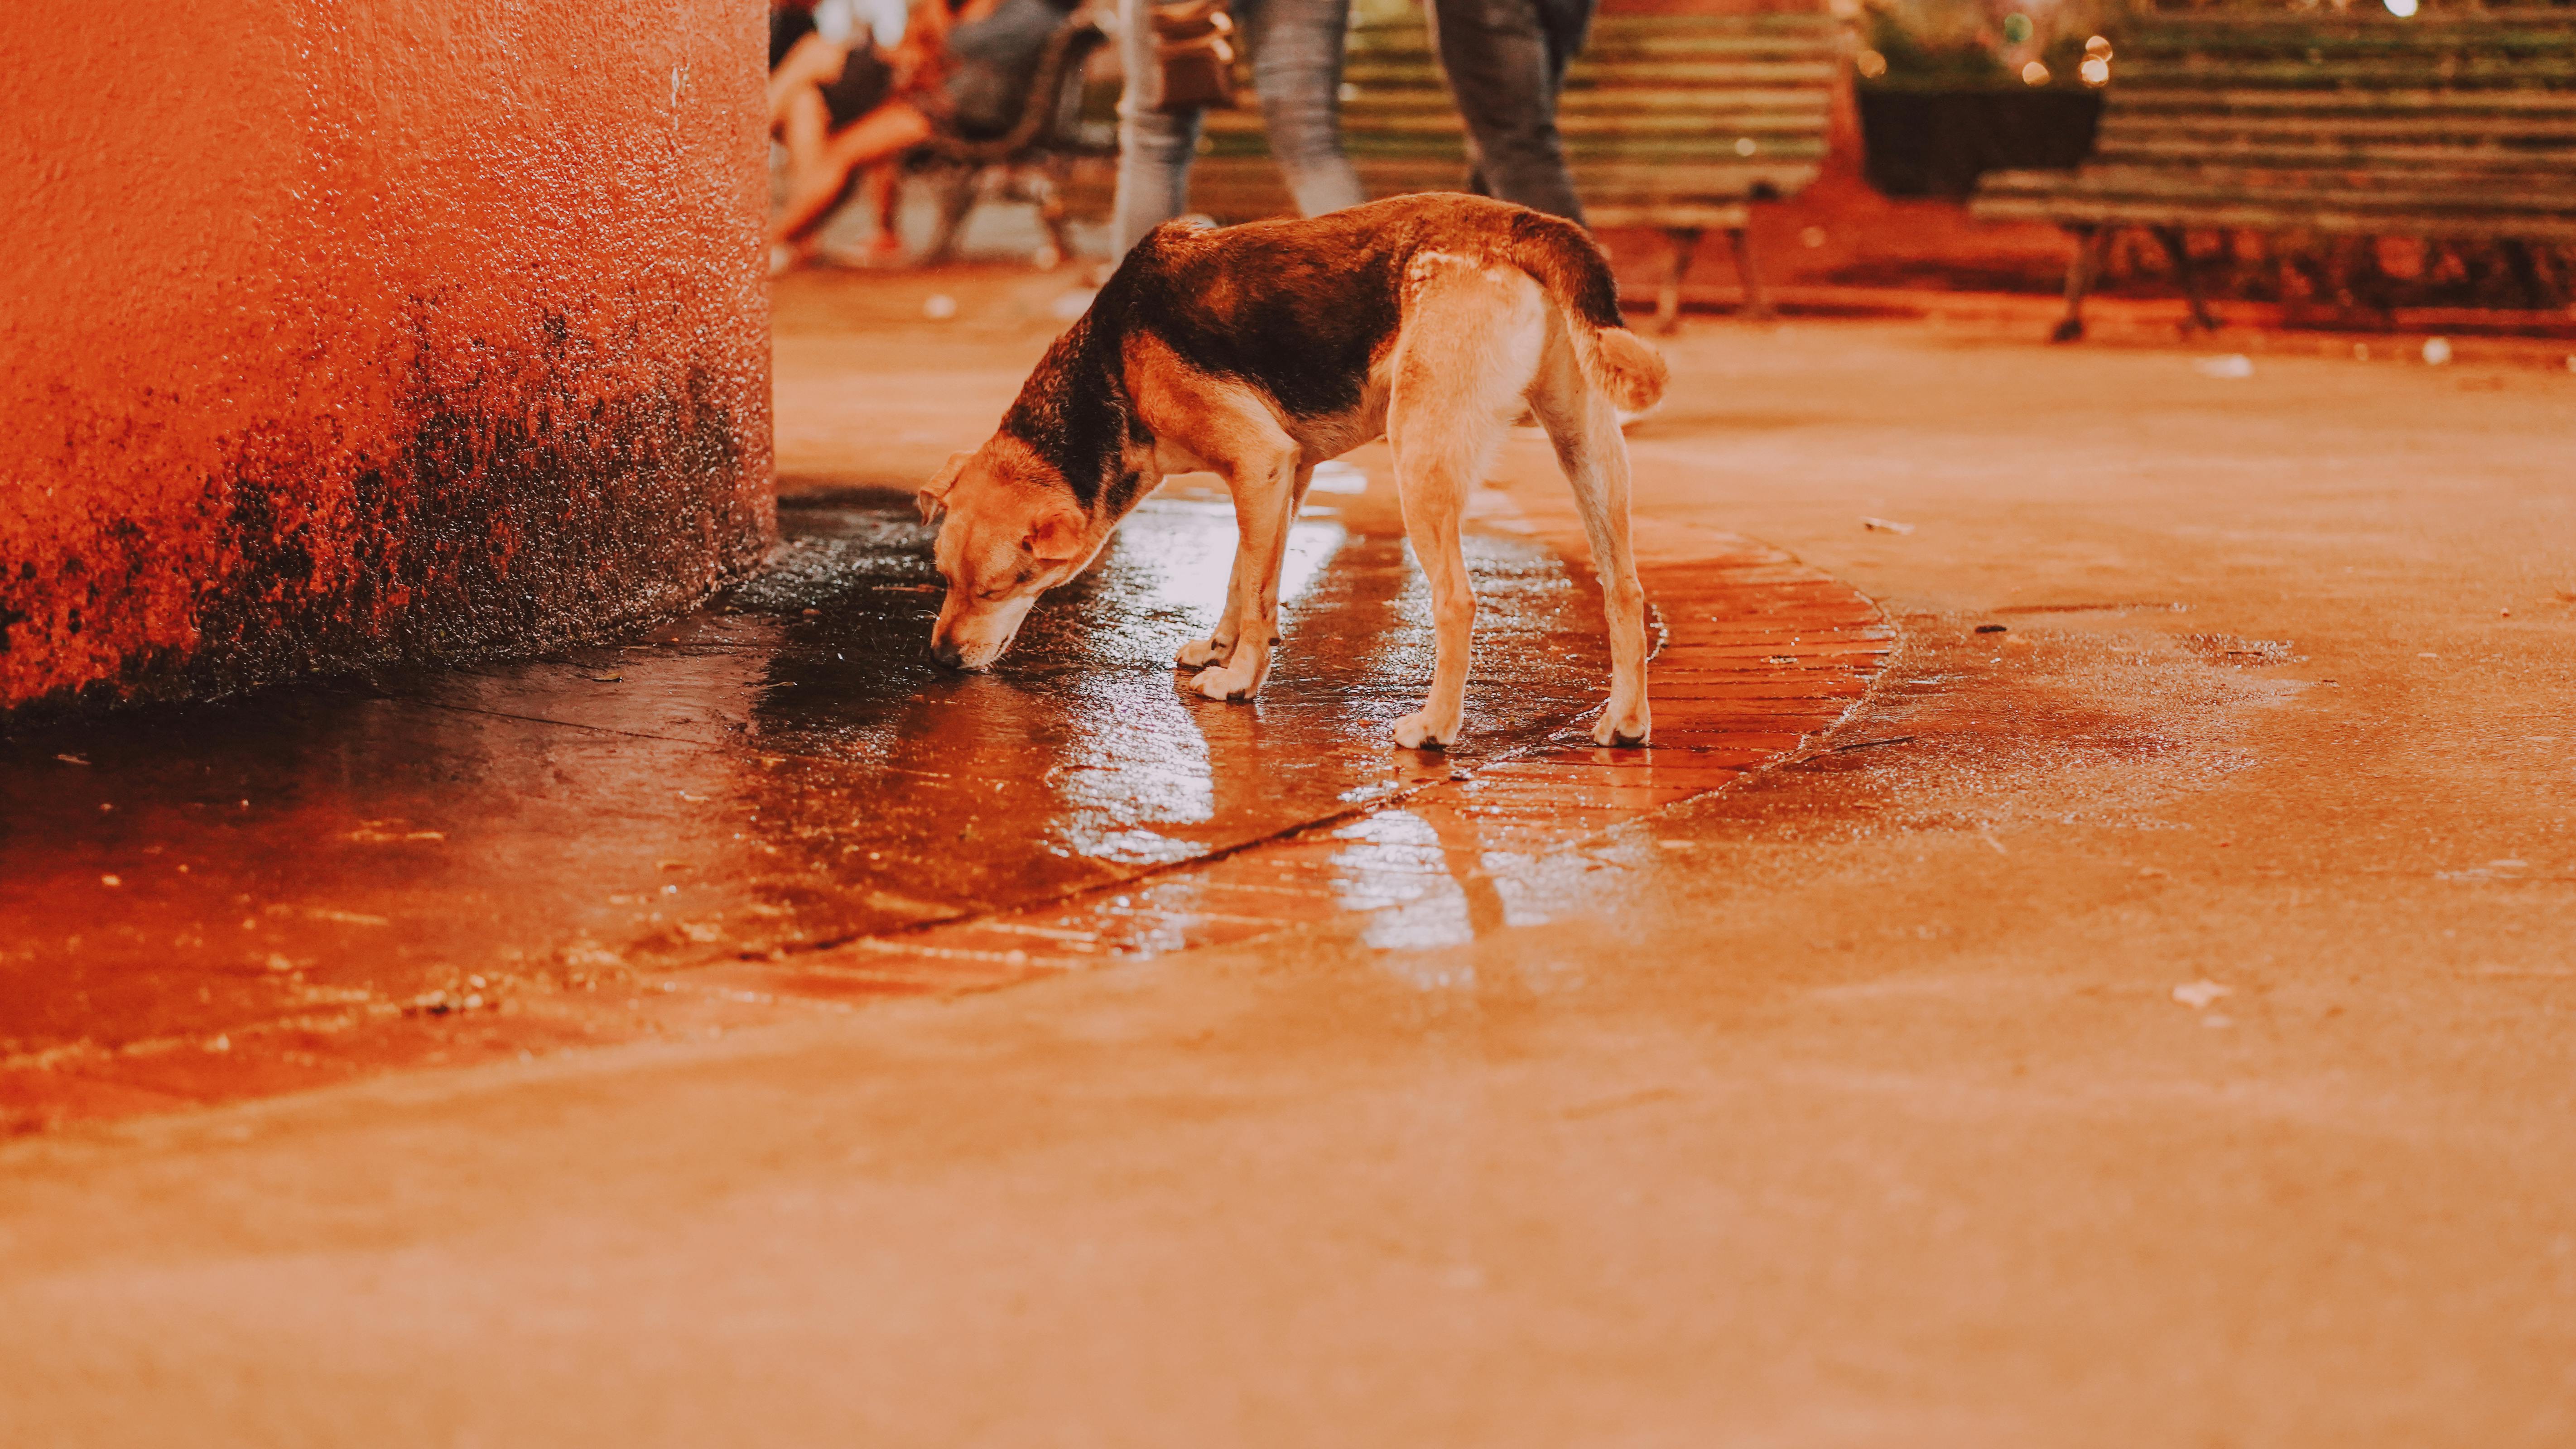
(1256, 352)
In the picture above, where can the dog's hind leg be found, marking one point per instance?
(1584, 424)
(1471, 341)
(1263, 479)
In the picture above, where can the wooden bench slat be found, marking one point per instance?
(2338, 154)
(2249, 32)
(1635, 192)
(2361, 38)
(2500, 74)
(1763, 131)
(2543, 132)
(1762, 111)
(2428, 101)
(2249, 216)
(1806, 104)
(1656, 75)
(1627, 184)
(2530, 188)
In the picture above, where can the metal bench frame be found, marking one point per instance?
(1027, 163)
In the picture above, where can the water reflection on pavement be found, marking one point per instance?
(784, 768)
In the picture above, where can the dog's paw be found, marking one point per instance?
(1419, 731)
(1199, 653)
(1624, 727)
(1227, 682)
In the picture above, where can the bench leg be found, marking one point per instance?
(955, 190)
(2178, 247)
(1058, 247)
(1684, 243)
(2537, 291)
(2091, 243)
(2372, 289)
(2554, 274)
(2299, 278)
(1757, 306)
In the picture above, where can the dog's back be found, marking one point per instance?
(1304, 308)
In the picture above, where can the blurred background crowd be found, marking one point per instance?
(1718, 146)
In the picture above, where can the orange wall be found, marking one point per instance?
(342, 331)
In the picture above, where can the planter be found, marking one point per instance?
(1938, 142)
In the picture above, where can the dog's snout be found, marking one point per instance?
(945, 650)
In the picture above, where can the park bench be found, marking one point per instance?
(1674, 123)
(2454, 124)
(1028, 163)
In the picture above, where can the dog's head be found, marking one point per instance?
(1009, 530)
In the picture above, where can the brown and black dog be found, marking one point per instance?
(1258, 351)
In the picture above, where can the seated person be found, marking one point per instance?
(830, 63)
(964, 66)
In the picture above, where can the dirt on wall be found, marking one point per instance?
(373, 330)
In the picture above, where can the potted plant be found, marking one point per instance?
(1951, 89)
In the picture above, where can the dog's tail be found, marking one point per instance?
(1565, 260)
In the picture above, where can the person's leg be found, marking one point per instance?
(806, 129)
(1564, 23)
(812, 63)
(1475, 178)
(880, 135)
(1154, 149)
(1297, 48)
(1503, 72)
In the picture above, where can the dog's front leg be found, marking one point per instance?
(1263, 489)
(1198, 653)
(1299, 481)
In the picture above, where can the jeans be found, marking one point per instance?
(1297, 50)
(1506, 61)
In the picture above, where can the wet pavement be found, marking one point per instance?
(317, 876)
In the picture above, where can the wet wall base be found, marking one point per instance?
(371, 330)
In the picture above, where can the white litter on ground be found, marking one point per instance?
(1338, 477)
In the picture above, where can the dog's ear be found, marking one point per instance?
(1057, 534)
(932, 500)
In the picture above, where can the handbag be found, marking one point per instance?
(1195, 53)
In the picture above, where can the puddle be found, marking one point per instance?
(783, 768)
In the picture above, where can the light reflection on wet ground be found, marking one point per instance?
(1762, 653)
(782, 769)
